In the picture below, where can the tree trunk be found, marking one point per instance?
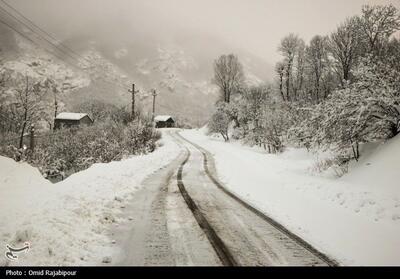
(355, 149)
(21, 138)
(281, 86)
(287, 85)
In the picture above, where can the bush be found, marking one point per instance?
(338, 164)
(219, 122)
(76, 149)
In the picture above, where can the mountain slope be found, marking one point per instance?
(179, 70)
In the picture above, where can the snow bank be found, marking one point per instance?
(66, 222)
(356, 223)
(379, 169)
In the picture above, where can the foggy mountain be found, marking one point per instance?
(179, 69)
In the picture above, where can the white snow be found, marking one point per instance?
(40, 67)
(162, 118)
(71, 115)
(379, 171)
(66, 223)
(355, 219)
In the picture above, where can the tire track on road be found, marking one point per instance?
(206, 158)
(218, 245)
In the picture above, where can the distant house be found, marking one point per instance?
(164, 121)
(70, 119)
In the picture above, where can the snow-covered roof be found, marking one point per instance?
(162, 118)
(71, 116)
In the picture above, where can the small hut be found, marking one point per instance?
(164, 121)
(71, 119)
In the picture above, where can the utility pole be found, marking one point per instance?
(154, 104)
(133, 92)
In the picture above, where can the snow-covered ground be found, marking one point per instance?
(66, 222)
(355, 219)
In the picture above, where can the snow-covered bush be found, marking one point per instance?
(76, 149)
(365, 111)
(220, 120)
(12, 152)
(262, 119)
(336, 164)
(140, 138)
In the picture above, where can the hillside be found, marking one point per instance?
(180, 71)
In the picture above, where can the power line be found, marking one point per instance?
(67, 51)
(33, 42)
(53, 53)
(20, 33)
(42, 37)
(48, 41)
(42, 30)
(29, 26)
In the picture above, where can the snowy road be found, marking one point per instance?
(161, 229)
(164, 231)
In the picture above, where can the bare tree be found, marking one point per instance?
(52, 91)
(28, 104)
(392, 56)
(318, 64)
(228, 75)
(289, 48)
(280, 70)
(378, 23)
(344, 46)
(298, 70)
(6, 121)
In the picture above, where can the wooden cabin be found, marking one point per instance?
(164, 121)
(71, 119)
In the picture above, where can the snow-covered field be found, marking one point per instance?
(355, 219)
(65, 223)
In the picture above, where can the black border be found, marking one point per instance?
(201, 272)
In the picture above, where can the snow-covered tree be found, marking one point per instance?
(318, 67)
(378, 23)
(251, 108)
(28, 103)
(220, 120)
(292, 50)
(365, 111)
(228, 76)
(261, 118)
(345, 48)
(280, 71)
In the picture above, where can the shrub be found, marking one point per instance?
(76, 149)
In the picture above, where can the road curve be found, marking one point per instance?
(157, 228)
(239, 233)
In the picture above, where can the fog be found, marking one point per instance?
(254, 25)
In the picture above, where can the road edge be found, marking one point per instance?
(208, 157)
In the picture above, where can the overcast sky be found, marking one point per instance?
(255, 25)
